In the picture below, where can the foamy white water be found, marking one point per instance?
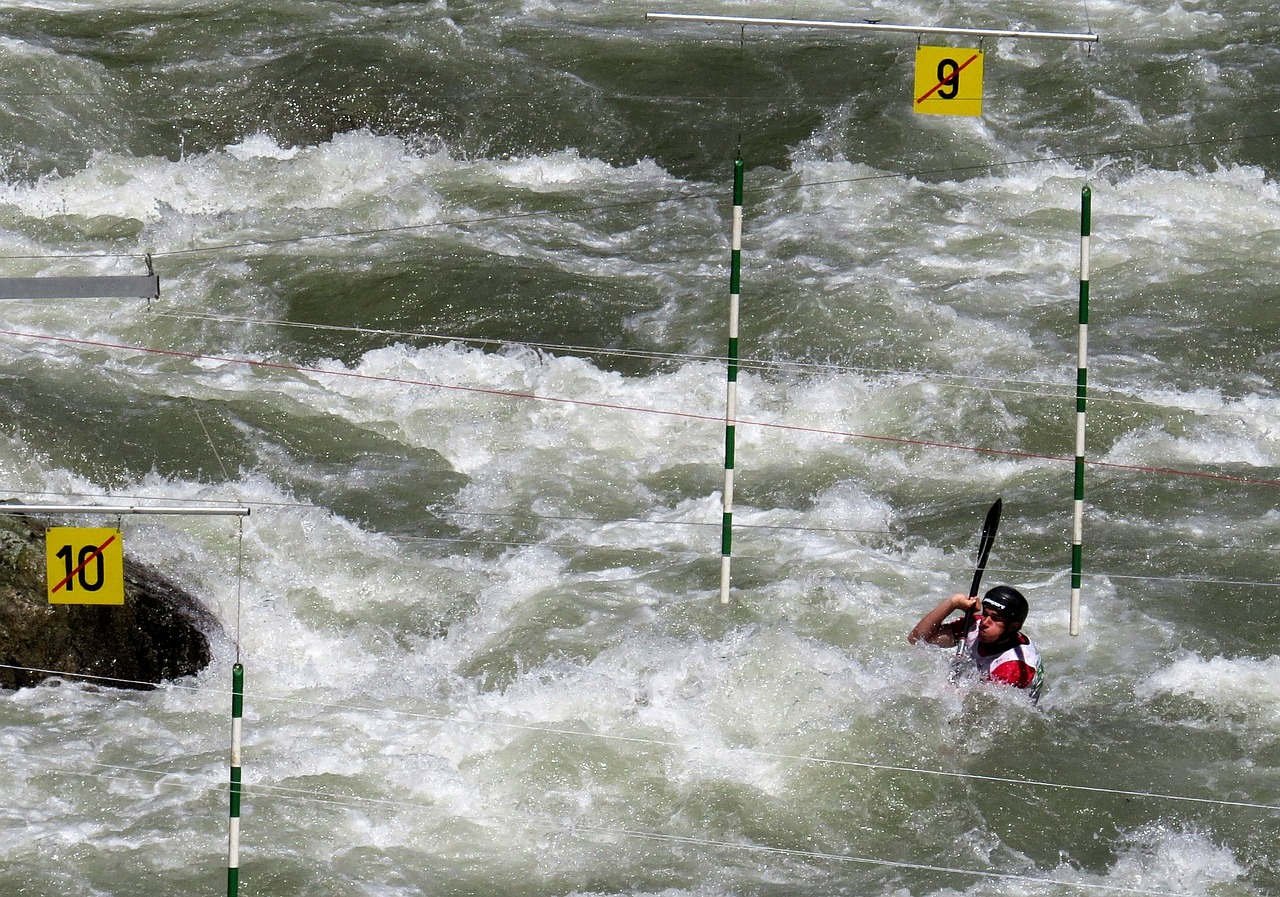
(448, 309)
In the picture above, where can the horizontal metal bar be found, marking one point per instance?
(869, 26)
(142, 286)
(6, 508)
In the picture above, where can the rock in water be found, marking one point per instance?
(161, 632)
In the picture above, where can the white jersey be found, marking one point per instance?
(1013, 661)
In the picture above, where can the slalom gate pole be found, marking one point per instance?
(237, 713)
(1082, 383)
(735, 274)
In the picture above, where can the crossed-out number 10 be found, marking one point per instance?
(90, 556)
(84, 565)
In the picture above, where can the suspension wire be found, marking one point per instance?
(503, 515)
(239, 586)
(508, 515)
(1038, 388)
(681, 357)
(1041, 389)
(1182, 579)
(652, 522)
(439, 92)
(586, 403)
(454, 719)
(682, 522)
(547, 824)
(1045, 389)
(240, 541)
(869, 861)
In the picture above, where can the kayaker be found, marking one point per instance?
(994, 643)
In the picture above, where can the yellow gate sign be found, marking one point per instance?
(948, 81)
(85, 565)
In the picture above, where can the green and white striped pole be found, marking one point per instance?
(1082, 383)
(237, 713)
(735, 275)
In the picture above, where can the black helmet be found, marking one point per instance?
(1008, 602)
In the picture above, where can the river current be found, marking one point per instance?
(445, 303)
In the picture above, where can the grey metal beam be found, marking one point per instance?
(143, 286)
(200, 511)
(869, 26)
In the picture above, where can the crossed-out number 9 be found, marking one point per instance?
(948, 79)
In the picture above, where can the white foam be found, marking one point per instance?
(260, 146)
(1226, 687)
(377, 181)
(1155, 446)
(557, 170)
(1162, 858)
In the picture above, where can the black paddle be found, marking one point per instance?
(989, 527)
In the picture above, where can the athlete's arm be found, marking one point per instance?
(933, 627)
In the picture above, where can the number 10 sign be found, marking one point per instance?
(85, 565)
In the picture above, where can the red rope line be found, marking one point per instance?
(404, 381)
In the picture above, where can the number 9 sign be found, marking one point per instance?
(948, 81)
(85, 566)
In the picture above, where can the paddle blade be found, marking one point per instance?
(989, 527)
